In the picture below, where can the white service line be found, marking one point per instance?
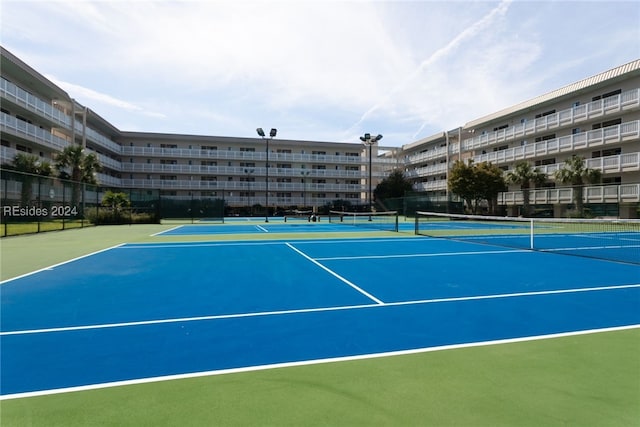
(333, 273)
(310, 362)
(51, 267)
(315, 310)
(423, 255)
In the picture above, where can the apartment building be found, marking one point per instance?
(39, 118)
(597, 118)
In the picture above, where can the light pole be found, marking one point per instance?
(369, 142)
(304, 188)
(272, 135)
(249, 172)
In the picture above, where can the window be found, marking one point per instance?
(607, 95)
(500, 127)
(606, 124)
(208, 147)
(247, 149)
(608, 152)
(612, 180)
(543, 162)
(546, 137)
(546, 113)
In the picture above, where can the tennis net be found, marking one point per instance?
(386, 221)
(298, 215)
(610, 239)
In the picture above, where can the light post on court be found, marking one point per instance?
(272, 135)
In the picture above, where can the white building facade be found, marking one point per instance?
(597, 118)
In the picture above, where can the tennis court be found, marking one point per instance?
(161, 310)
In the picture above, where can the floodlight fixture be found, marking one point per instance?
(260, 132)
(273, 133)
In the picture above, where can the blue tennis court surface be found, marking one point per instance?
(154, 311)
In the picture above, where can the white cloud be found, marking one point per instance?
(316, 69)
(90, 97)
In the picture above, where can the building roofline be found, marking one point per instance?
(589, 82)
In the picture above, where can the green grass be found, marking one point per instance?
(587, 380)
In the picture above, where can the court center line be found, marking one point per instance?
(333, 273)
(317, 310)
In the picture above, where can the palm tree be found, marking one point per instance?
(82, 167)
(73, 164)
(576, 173)
(30, 166)
(525, 175)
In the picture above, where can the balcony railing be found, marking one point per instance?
(570, 143)
(22, 129)
(21, 97)
(596, 194)
(257, 186)
(614, 104)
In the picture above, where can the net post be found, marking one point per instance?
(531, 235)
(397, 226)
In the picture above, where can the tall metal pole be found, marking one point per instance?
(369, 141)
(370, 179)
(266, 212)
(272, 134)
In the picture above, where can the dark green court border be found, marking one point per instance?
(586, 380)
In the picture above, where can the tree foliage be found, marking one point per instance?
(30, 165)
(394, 186)
(72, 163)
(524, 175)
(115, 201)
(476, 182)
(576, 173)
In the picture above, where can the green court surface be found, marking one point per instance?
(587, 380)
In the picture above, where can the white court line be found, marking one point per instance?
(311, 362)
(333, 273)
(317, 310)
(166, 231)
(51, 267)
(261, 228)
(498, 251)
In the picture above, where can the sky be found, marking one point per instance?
(317, 70)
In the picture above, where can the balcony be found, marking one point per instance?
(624, 193)
(623, 102)
(257, 186)
(566, 144)
(22, 129)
